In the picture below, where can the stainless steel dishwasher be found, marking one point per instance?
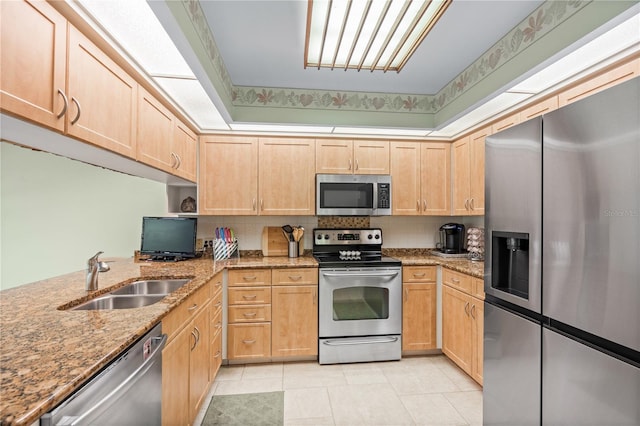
(127, 392)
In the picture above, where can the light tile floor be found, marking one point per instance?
(428, 390)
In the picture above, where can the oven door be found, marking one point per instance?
(360, 302)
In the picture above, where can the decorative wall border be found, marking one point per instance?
(544, 19)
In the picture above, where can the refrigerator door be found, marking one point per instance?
(513, 199)
(511, 391)
(583, 386)
(591, 214)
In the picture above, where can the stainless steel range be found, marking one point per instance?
(360, 297)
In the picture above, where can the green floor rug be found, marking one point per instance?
(252, 409)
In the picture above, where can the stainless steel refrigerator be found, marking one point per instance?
(562, 266)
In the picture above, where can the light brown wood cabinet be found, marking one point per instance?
(186, 362)
(185, 151)
(294, 324)
(215, 328)
(346, 156)
(420, 175)
(462, 322)
(419, 308)
(286, 176)
(468, 174)
(34, 62)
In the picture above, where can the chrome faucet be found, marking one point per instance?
(94, 266)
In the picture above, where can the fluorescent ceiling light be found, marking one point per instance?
(369, 34)
(380, 131)
(279, 128)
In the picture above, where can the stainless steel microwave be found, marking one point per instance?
(353, 195)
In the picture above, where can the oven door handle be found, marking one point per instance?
(372, 340)
(372, 275)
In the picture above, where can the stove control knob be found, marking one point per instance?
(369, 236)
(377, 236)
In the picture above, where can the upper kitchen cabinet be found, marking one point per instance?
(103, 98)
(420, 176)
(345, 156)
(228, 183)
(184, 151)
(155, 132)
(468, 174)
(286, 182)
(34, 60)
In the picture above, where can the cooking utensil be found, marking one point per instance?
(289, 230)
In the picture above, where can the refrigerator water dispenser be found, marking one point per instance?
(510, 263)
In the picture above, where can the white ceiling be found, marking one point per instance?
(262, 44)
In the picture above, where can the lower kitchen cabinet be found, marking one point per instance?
(175, 380)
(462, 322)
(199, 362)
(249, 341)
(419, 308)
(294, 321)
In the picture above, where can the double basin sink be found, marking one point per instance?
(134, 295)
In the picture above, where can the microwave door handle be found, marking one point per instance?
(375, 196)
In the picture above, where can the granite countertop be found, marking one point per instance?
(47, 352)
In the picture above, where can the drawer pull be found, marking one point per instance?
(249, 277)
(473, 308)
(217, 305)
(249, 342)
(455, 280)
(193, 307)
(295, 277)
(219, 324)
(249, 296)
(217, 355)
(466, 308)
(65, 106)
(422, 274)
(249, 314)
(219, 284)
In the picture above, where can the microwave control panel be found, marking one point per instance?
(384, 196)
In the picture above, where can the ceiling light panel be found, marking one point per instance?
(367, 34)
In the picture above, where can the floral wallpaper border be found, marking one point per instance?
(544, 19)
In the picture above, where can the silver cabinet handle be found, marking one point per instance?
(248, 296)
(262, 204)
(315, 297)
(466, 204)
(424, 205)
(66, 104)
(455, 280)
(249, 277)
(249, 341)
(77, 117)
(419, 274)
(295, 277)
(466, 308)
(357, 164)
(179, 161)
(418, 205)
(217, 354)
(406, 294)
(254, 204)
(174, 160)
(349, 163)
(471, 204)
(193, 307)
(195, 340)
(473, 308)
(249, 314)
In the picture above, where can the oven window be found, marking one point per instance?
(346, 195)
(360, 303)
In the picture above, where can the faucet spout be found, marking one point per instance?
(95, 266)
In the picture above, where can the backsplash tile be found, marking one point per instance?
(343, 222)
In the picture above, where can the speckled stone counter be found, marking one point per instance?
(46, 352)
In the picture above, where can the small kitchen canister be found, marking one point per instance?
(294, 249)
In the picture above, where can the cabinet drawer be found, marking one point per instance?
(249, 277)
(252, 313)
(249, 296)
(216, 324)
(294, 276)
(216, 356)
(216, 285)
(478, 288)
(216, 302)
(246, 341)
(457, 280)
(185, 311)
(414, 274)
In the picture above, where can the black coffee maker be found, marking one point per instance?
(452, 238)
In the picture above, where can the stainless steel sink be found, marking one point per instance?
(115, 301)
(163, 287)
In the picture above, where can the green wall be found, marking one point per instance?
(55, 213)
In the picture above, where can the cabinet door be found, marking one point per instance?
(461, 164)
(155, 132)
(371, 157)
(476, 184)
(405, 178)
(477, 338)
(33, 57)
(456, 327)
(249, 341)
(435, 160)
(334, 156)
(199, 361)
(185, 148)
(175, 380)
(419, 317)
(294, 321)
(102, 98)
(228, 175)
(286, 181)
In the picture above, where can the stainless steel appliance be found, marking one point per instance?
(360, 297)
(353, 195)
(561, 335)
(127, 392)
(452, 238)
